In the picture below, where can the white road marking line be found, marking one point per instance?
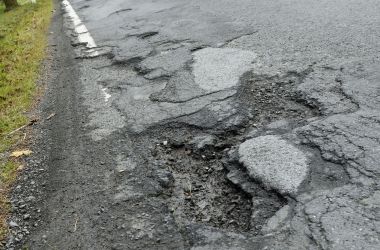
(84, 35)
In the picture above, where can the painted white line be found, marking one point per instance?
(106, 95)
(84, 35)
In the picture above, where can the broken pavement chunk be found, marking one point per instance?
(274, 162)
(217, 69)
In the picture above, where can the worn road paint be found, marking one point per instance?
(84, 35)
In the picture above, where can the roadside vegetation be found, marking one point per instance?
(22, 47)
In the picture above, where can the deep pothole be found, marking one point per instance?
(202, 191)
(210, 186)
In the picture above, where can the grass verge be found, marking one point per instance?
(22, 48)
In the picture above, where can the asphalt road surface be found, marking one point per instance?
(206, 124)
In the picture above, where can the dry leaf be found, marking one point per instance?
(20, 168)
(21, 153)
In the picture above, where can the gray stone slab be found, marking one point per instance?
(217, 69)
(274, 162)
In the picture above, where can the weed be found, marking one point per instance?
(22, 48)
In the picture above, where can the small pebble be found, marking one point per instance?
(13, 224)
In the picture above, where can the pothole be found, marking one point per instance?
(202, 191)
(210, 186)
(274, 98)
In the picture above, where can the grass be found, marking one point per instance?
(22, 48)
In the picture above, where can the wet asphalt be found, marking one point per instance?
(207, 125)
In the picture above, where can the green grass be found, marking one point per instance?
(22, 48)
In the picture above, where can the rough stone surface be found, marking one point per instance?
(277, 220)
(274, 162)
(352, 140)
(342, 218)
(200, 142)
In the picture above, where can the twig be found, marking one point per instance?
(190, 187)
(75, 225)
(50, 116)
(14, 131)
(31, 122)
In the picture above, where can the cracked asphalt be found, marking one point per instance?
(207, 124)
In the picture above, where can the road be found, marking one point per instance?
(207, 124)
